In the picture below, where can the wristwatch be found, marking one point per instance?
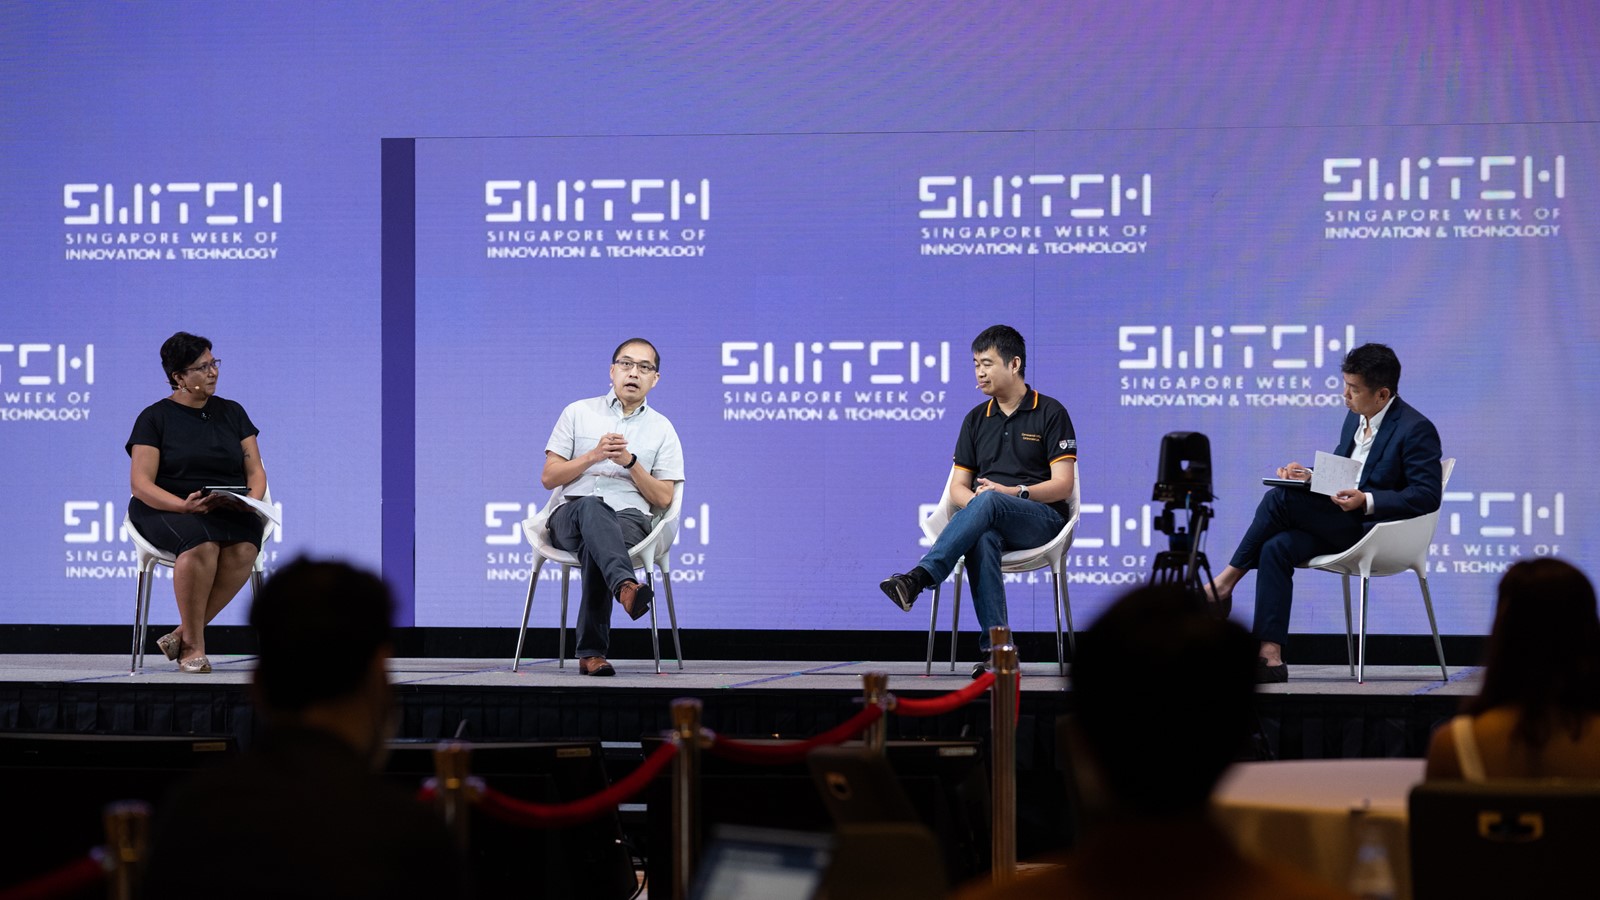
(1022, 492)
(632, 461)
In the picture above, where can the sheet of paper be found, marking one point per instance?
(266, 511)
(1332, 474)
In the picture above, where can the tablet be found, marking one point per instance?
(1294, 483)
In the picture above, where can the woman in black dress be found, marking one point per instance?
(181, 444)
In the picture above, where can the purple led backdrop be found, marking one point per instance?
(1174, 301)
(1270, 163)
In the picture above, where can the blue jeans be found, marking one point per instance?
(990, 525)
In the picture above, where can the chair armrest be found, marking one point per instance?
(936, 521)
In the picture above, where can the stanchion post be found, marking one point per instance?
(875, 687)
(127, 824)
(1003, 755)
(452, 766)
(685, 795)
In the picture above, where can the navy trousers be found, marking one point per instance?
(1291, 526)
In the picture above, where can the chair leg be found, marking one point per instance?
(1349, 629)
(527, 607)
(933, 626)
(672, 613)
(1066, 607)
(1055, 601)
(655, 635)
(144, 618)
(561, 642)
(1361, 619)
(1438, 646)
(955, 617)
(135, 660)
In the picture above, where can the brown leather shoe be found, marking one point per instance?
(635, 598)
(595, 665)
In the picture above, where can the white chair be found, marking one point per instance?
(1051, 555)
(1388, 548)
(655, 551)
(151, 556)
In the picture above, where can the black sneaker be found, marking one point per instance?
(902, 589)
(980, 670)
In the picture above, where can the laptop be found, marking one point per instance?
(859, 786)
(773, 864)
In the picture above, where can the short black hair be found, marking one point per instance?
(617, 352)
(1007, 342)
(1376, 365)
(1166, 698)
(320, 625)
(179, 353)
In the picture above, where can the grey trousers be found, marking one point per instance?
(600, 536)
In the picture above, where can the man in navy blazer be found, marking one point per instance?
(1400, 478)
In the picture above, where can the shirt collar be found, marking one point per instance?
(614, 404)
(1030, 400)
(1376, 420)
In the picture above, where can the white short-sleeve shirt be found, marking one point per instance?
(649, 434)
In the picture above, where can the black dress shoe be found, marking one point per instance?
(1220, 607)
(902, 589)
(1266, 674)
(980, 670)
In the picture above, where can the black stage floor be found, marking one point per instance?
(70, 698)
(1321, 713)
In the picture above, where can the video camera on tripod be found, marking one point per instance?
(1183, 486)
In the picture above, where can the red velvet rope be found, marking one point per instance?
(72, 878)
(938, 706)
(792, 752)
(554, 815)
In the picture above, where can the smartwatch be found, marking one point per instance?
(632, 461)
(1022, 492)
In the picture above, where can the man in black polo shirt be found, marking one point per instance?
(1012, 482)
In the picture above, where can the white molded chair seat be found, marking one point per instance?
(151, 556)
(1388, 548)
(1051, 555)
(654, 552)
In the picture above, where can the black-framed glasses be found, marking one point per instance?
(628, 365)
(212, 366)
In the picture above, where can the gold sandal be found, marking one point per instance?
(171, 645)
(198, 665)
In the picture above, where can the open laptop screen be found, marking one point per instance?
(771, 864)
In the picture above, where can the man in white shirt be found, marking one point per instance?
(617, 459)
(1398, 449)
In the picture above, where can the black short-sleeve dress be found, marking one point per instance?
(199, 447)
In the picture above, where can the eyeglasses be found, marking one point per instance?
(628, 365)
(212, 366)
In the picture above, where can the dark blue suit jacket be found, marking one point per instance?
(1402, 472)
